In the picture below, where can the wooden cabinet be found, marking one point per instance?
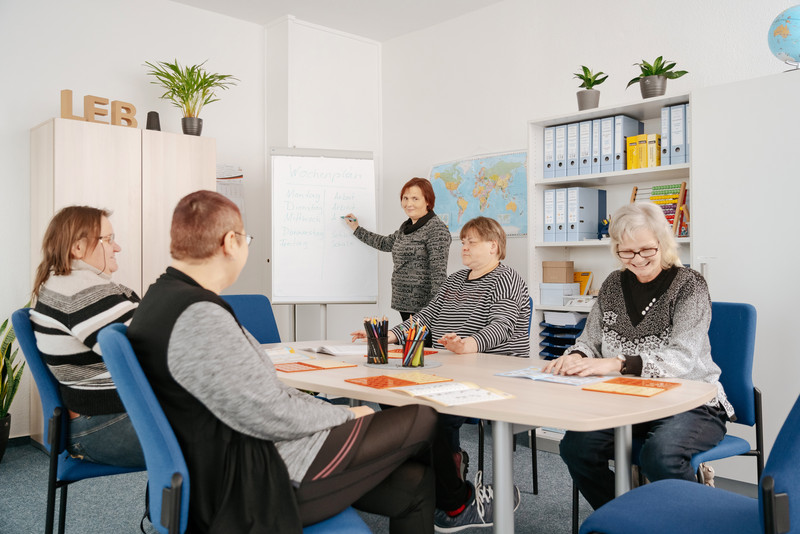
(139, 175)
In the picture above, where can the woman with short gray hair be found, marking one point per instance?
(651, 320)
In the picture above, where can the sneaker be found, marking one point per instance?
(461, 460)
(478, 511)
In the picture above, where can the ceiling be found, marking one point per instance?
(380, 20)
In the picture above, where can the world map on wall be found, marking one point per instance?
(493, 186)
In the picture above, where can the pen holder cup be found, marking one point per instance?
(416, 358)
(377, 349)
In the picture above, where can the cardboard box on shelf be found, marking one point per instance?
(557, 272)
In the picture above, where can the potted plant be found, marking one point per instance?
(10, 376)
(589, 97)
(653, 78)
(189, 88)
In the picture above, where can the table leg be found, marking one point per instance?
(623, 438)
(502, 460)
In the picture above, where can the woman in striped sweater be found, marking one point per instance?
(74, 299)
(483, 308)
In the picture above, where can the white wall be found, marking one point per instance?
(97, 47)
(323, 92)
(469, 85)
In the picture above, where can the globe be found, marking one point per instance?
(784, 35)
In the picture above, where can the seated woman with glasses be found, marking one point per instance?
(651, 320)
(74, 298)
(483, 308)
(263, 456)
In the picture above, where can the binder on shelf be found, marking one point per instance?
(607, 144)
(641, 151)
(572, 149)
(585, 208)
(549, 170)
(624, 127)
(561, 151)
(653, 150)
(677, 134)
(549, 215)
(561, 215)
(665, 126)
(633, 151)
(585, 147)
(595, 146)
(688, 130)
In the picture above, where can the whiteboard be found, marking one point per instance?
(315, 257)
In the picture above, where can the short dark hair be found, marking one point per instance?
(427, 190)
(200, 222)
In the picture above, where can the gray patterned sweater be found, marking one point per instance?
(671, 339)
(419, 258)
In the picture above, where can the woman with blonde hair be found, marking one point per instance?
(74, 298)
(651, 320)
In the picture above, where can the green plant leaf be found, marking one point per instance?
(10, 374)
(190, 87)
(588, 78)
(659, 67)
(675, 74)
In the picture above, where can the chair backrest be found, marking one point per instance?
(162, 453)
(782, 468)
(530, 317)
(46, 383)
(254, 312)
(733, 338)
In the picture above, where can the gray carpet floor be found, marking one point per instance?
(116, 504)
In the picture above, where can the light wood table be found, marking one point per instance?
(535, 403)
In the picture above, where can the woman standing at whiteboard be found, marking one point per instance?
(419, 248)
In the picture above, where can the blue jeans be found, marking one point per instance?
(667, 450)
(105, 439)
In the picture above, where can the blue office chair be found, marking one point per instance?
(680, 506)
(732, 334)
(254, 312)
(64, 469)
(733, 339)
(166, 468)
(168, 476)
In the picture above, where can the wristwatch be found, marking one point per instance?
(624, 361)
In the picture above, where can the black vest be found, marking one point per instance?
(238, 483)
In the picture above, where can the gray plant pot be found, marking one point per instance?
(653, 86)
(588, 99)
(192, 125)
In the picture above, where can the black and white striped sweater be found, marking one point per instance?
(69, 313)
(494, 309)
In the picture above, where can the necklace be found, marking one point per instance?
(647, 308)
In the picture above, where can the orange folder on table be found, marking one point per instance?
(640, 387)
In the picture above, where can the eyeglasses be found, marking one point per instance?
(247, 237)
(644, 253)
(108, 239)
